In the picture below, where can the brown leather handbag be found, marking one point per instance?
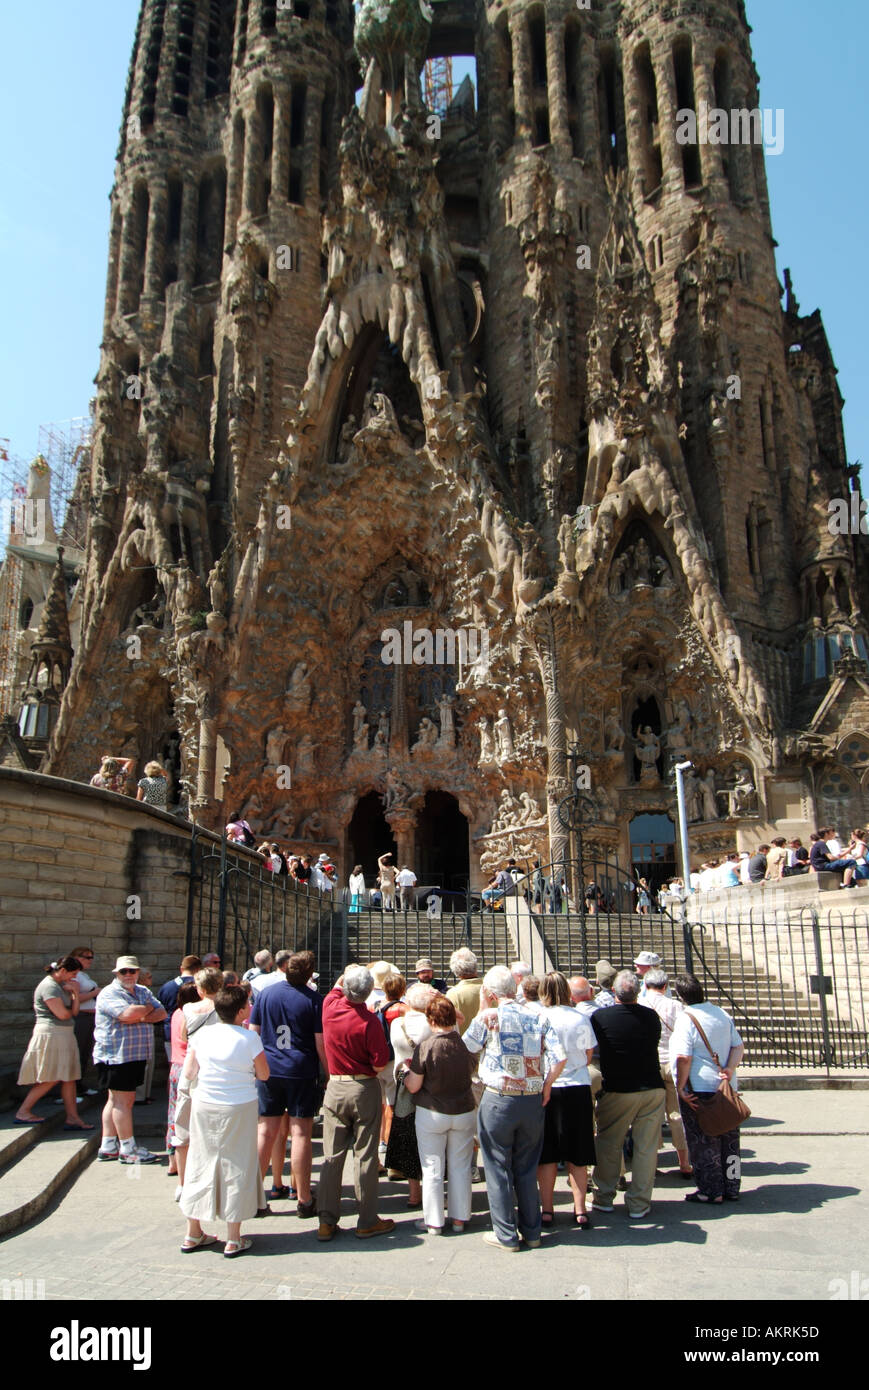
(725, 1110)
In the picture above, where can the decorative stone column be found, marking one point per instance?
(402, 821)
(281, 149)
(521, 41)
(156, 248)
(311, 152)
(189, 218)
(710, 155)
(559, 127)
(668, 105)
(206, 764)
(589, 111)
(635, 118)
(253, 158)
(557, 784)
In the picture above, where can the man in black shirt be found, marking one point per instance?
(631, 1096)
(757, 864)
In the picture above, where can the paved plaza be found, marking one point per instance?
(800, 1227)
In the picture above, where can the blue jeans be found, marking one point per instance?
(511, 1138)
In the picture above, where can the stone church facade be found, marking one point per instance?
(510, 385)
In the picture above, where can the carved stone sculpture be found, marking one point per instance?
(647, 748)
(708, 796)
(427, 734)
(360, 728)
(531, 809)
(446, 706)
(275, 743)
(487, 742)
(504, 737)
(299, 692)
(614, 734)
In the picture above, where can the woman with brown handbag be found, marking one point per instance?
(702, 1035)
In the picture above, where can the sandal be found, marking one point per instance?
(705, 1201)
(232, 1248)
(191, 1243)
(582, 1220)
(547, 1218)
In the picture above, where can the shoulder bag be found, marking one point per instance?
(404, 1102)
(726, 1109)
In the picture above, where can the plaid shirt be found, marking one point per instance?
(513, 1059)
(116, 1042)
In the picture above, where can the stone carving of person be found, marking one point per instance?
(507, 813)
(427, 734)
(311, 827)
(741, 794)
(618, 573)
(567, 543)
(446, 705)
(647, 747)
(641, 563)
(504, 737)
(614, 734)
(299, 692)
(487, 742)
(381, 738)
(275, 743)
(360, 728)
(607, 805)
(305, 755)
(693, 803)
(707, 795)
(396, 790)
(678, 734)
(531, 809)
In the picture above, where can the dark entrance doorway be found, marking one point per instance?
(370, 836)
(442, 843)
(653, 848)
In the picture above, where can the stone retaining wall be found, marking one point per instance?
(81, 866)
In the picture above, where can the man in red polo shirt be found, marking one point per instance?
(356, 1049)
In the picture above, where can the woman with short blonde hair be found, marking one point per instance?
(154, 786)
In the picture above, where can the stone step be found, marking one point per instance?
(37, 1160)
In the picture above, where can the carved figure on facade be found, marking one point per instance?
(742, 795)
(613, 733)
(275, 743)
(647, 749)
(427, 734)
(508, 812)
(305, 750)
(530, 809)
(504, 737)
(487, 742)
(709, 795)
(446, 706)
(360, 728)
(299, 691)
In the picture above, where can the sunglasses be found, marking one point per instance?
(128, 972)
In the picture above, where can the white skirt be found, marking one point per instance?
(222, 1178)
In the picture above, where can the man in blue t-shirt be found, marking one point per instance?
(289, 1020)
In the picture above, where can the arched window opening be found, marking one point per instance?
(684, 74)
(611, 108)
(210, 226)
(175, 191)
(140, 213)
(298, 102)
(221, 18)
(152, 63)
(26, 613)
(650, 139)
(269, 14)
(183, 57)
(722, 83)
(265, 115)
(572, 46)
(241, 44)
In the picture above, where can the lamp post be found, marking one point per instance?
(680, 770)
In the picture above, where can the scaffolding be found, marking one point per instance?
(439, 85)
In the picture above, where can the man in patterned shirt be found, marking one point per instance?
(517, 1084)
(123, 1043)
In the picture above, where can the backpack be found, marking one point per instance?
(385, 1025)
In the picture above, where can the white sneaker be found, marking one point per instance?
(138, 1155)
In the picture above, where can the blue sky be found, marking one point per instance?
(65, 69)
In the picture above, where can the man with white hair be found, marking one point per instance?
(465, 994)
(517, 1081)
(272, 977)
(519, 969)
(583, 998)
(356, 1050)
(631, 1098)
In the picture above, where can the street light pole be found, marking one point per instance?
(681, 769)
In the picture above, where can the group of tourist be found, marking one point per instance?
(115, 774)
(783, 858)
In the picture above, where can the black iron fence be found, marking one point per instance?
(794, 981)
(236, 907)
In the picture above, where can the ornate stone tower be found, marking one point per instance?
(375, 376)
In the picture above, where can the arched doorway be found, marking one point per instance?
(370, 835)
(442, 843)
(653, 848)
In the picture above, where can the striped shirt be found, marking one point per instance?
(116, 1042)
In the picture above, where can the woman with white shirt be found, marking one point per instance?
(356, 883)
(222, 1179)
(568, 1120)
(83, 1025)
(698, 1075)
(856, 850)
(402, 1153)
